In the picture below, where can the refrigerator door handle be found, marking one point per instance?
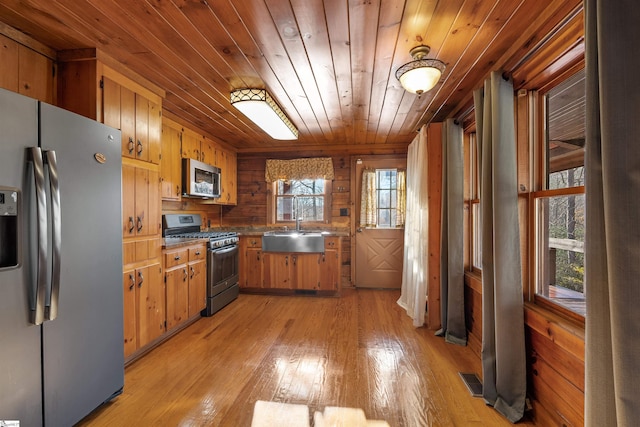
(56, 232)
(34, 155)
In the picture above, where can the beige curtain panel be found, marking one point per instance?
(297, 169)
(368, 201)
(401, 202)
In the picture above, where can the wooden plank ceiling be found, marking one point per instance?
(330, 64)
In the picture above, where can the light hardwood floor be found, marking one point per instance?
(359, 350)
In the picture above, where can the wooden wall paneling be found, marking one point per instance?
(434, 148)
(557, 395)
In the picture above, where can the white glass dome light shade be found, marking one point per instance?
(420, 75)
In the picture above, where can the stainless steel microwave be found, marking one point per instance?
(200, 179)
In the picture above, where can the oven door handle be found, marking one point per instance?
(224, 250)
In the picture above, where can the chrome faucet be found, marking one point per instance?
(296, 201)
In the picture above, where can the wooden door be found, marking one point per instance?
(207, 151)
(128, 122)
(130, 316)
(154, 211)
(142, 127)
(306, 271)
(177, 286)
(378, 251)
(190, 146)
(154, 133)
(150, 299)
(142, 202)
(197, 287)
(9, 75)
(170, 167)
(128, 201)
(330, 266)
(36, 75)
(111, 103)
(277, 270)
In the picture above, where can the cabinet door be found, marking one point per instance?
(142, 128)
(177, 285)
(170, 167)
(231, 179)
(128, 201)
(130, 315)
(207, 151)
(142, 202)
(154, 212)
(111, 103)
(151, 303)
(190, 146)
(154, 133)
(128, 122)
(252, 268)
(197, 287)
(277, 271)
(330, 270)
(9, 77)
(306, 269)
(35, 74)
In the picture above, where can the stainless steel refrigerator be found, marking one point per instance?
(61, 314)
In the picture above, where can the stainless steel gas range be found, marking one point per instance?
(222, 257)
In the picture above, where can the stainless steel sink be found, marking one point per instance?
(293, 241)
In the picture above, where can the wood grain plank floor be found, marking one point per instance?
(359, 350)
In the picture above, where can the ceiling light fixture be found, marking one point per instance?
(420, 75)
(261, 109)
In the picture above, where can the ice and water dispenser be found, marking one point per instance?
(9, 228)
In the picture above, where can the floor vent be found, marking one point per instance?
(473, 383)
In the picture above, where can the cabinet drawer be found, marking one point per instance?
(177, 257)
(197, 252)
(254, 241)
(331, 242)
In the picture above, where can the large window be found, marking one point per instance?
(560, 203)
(302, 200)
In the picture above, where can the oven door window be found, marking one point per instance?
(224, 264)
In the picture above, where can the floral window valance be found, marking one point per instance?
(298, 169)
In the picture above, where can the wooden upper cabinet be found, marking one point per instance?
(170, 167)
(26, 71)
(87, 86)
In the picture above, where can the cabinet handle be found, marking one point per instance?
(197, 253)
(294, 258)
(184, 277)
(177, 190)
(176, 258)
(141, 277)
(253, 242)
(131, 225)
(193, 273)
(258, 256)
(286, 260)
(131, 145)
(139, 224)
(133, 282)
(139, 147)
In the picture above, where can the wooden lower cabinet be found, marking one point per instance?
(144, 307)
(289, 271)
(186, 283)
